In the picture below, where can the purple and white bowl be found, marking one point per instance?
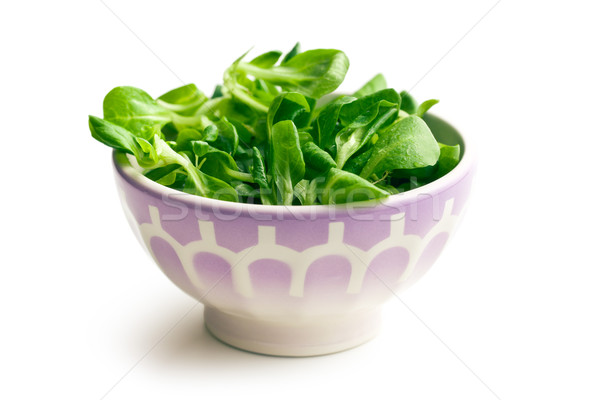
(297, 280)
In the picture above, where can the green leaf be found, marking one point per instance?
(356, 163)
(245, 190)
(134, 110)
(376, 84)
(218, 163)
(266, 87)
(292, 53)
(169, 179)
(422, 173)
(235, 110)
(425, 106)
(326, 124)
(148, 149)
(204, 116)
(406, 144)
(388, 188)
(184, 100)
(311, 193)
(186, 137)
(243, 158)
(316, 159)
(290, 106)
(210, 133)
(350, 113)
(217, 92)
(226, 138)
(113, 135)
(197, 182)
(449, 159)
(287, 163)
(246, 133)
(200, 148)
(360, 131)
(205, 185)
(306, 191)
(312, 73)
(121, 139)
(240, 87)
(266, 60)
(300, 191)
(158, 174)
(245, 96)
(408, 104)
(344, 187)
(267, 194)
(169, 132)
(258, 168)
(304, 137)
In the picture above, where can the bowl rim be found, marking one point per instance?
(124, 168)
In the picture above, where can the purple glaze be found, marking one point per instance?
(387, 268)
(328, 275)
(270, 278)
(170, 265)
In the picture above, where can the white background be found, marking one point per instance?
(511, 309)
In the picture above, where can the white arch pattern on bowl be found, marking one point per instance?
(297, 261)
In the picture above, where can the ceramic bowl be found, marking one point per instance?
(298, 280)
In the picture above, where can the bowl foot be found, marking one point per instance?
(293, 337)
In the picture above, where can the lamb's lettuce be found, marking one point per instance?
(267, 134)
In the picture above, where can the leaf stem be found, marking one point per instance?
(240, 176)
(249, 100)
(276, 73)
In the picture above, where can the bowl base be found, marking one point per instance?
(294, 337)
